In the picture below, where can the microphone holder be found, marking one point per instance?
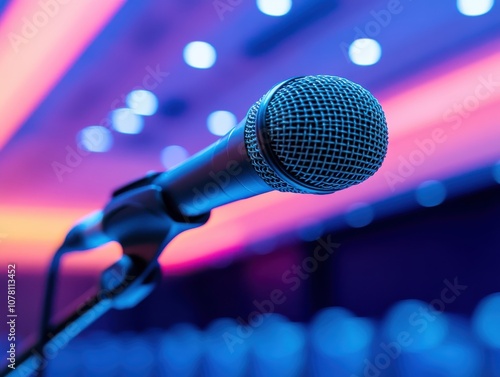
(143, 219)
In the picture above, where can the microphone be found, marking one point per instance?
(308, 135)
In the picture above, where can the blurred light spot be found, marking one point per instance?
(430, 193)
(142, 102)
(474, 7)
(173, 155)
(200, 55)
(278, 348)
(451, 359)
(274, 7)
(221, 122)
(336, 332)
(311, 232)
(496, 172)
(359, 215)
(226, 354)
(95, 139)
(180, 351)
(137, 358)
(101, 354)
(365, 51)
(486, 320)
(426, 328)
(126, 121)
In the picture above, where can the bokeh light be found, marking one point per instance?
(496, 172)
(221, 122)
(359, 215)
(142, 102)
(201, 55)
(430, 193)
(474, 7)
(422, 325)
(173, 155)
(486, 320)
(365, 51)
(95, 139)
(274, 7)
(126, 121)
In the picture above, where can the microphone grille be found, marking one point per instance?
(316, 134)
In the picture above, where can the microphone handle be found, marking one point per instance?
(221, 173)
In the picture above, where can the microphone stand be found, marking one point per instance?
(143, 219)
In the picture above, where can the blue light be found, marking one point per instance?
(474, 7)
(431, 193)
(310, 233)
(274, 7)
(451, 359)
(142, 102)
(173, 155)
(496, 172)
(137, 357)
(336, 332)
(359, 215)
(101, 354)
(201, 55)
(180, 351)
(221, 122)
(225, 349)
(126, 121)
(486, 320)
(278, 347)
(340, 343)
(365, 51)
(95, 139)
(415, 325)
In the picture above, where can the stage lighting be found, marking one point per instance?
(359, 215)
(221, 122)
(430, 193)
(173, 155)
(496, 172)
(365, 51)
(95, 139)
(486, 320)
(474, 7)
(274, 7)
(200, 55)
(416, 325)
(142, 102)
(126, 121)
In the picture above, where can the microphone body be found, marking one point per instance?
(221, 173)
(309, 135)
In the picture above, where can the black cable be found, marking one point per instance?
(49, 297)
(35, 360)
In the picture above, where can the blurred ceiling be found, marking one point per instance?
(87, 58)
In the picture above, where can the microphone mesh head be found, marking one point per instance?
(321, 134)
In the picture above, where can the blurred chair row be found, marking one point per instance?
(414, 339)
